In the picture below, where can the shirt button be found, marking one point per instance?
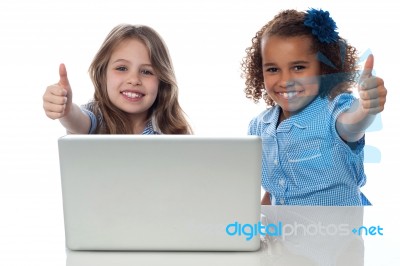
(281, 182)
(282, 201)
(276, 162)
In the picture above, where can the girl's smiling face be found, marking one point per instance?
(132, 84)
(291, 72)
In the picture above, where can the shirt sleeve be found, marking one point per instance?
(341, 104)
(93, 120)
(88, 110)
(251, 128)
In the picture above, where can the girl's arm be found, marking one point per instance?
(57, 104)
(76, 121)
(266, 200)
(351, 125)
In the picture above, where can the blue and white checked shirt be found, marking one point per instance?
(88, 109)
(304, 160)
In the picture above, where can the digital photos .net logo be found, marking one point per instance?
(285, 230)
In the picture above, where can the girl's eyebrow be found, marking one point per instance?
(269, 64)
(120, 60)
(300, 62)
(127, 61)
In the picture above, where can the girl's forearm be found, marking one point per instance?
(351, 125)
(76, 121)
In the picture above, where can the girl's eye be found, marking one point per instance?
(121, 68)
(298, 68)
(146, 72)
(272, 69)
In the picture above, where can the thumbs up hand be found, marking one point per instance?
(351, 125)
(371, 90)
(57, 99)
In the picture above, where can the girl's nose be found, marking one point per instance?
(134, 79)
(286, 80)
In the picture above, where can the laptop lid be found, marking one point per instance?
(160, 192)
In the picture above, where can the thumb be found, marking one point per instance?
(64, 83)
(368, 68)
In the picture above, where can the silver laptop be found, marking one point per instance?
(161, 192)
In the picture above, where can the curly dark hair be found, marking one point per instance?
(338, 60)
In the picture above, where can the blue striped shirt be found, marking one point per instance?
(304, 160)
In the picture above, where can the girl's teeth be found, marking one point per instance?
(132, 94)
(289, 95)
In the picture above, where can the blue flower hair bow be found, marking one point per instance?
(322, 25)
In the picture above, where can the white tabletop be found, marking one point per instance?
(34, 235)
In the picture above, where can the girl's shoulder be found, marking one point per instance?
(343, 97)
(262, 120)
(90, 106)
(341, 101)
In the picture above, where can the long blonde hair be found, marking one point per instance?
(166, 113)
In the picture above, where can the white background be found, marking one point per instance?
(207, 41)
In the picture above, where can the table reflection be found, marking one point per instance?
(89, 258)
(313, 235)
(295, 236)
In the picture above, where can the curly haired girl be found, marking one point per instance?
(313, 131)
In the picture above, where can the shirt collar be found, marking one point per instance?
(149, 129)
(299, 120)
